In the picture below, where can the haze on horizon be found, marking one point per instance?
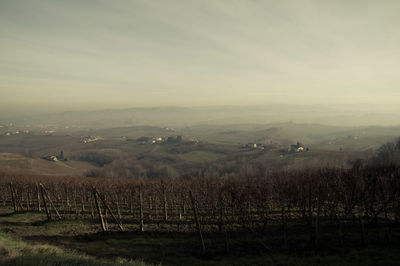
(65, 55)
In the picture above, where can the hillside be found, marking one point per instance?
(12, 162)
(203, 150)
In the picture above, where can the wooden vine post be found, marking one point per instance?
(196, 217)
(118, 222)
(28, 203)
(316, 236)
(221, 213)
(13, 198)
(18, 204)
(141, 226)
(101, 220)
(38, 198)
(165, 202)
(46, 208)
(284, 226)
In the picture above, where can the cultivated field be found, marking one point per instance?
(329, 214)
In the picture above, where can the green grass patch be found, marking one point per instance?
(17, 252)
(45, 243)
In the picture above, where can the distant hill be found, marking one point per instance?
(317, 135)
(320, 136)
(339, 115)
(129, 132)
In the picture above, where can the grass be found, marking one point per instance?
(79, 242)
(19, 163)
(17, 252)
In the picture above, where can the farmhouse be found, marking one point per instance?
(55, 158)
(49, 132)
(257, 146)
(90, 139)
(298, 147)
(157, 140)
(51, 158)
(17, 132)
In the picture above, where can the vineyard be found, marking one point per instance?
(325, 205)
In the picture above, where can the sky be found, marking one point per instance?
(65, 55)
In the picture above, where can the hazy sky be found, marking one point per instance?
(74, 53)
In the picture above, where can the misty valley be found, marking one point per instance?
(189, 152)
(254, 193)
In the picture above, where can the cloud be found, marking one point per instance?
(199, 51)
